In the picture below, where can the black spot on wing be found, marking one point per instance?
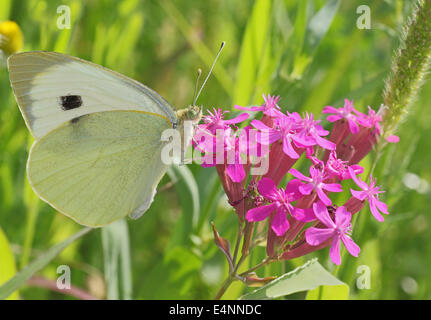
(70, 102)
(76, 119)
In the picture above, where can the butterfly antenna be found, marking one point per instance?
(209, 73)
(197, 83)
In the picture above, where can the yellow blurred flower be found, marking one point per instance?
(11, 38)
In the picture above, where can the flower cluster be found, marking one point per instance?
(301, 216)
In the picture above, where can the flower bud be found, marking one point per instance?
(11, 38)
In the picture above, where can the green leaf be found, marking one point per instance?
(197, 44)
(188, 193)
(252, 52)
(116, 251)
(5, 6)
(210, 193)
(300, 28)
(319, 25)
(340, 292)
(307, 277)
(21, 277)
(322, 94)
(7, 265)
(174, 277)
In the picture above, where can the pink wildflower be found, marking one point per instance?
(269, 108)
(215, 120)
(283, 130)
(316, 183)
(280, 202)
(339, 168)
(371, 120)
(345, 113)
(310, 133)
(371, 193)
(338, 230)
(224, 148)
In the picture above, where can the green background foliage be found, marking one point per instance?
(309, 52)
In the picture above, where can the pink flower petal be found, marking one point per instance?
(303, 140)
(304, 215)
(292, 190)
(350, 245)
(353, 126)
(240, 118)
(288, 149)
(252, 108)
(361, 195)
(322, 196)
(342, 217)
(360, 183)
(332, 187)
(329, 109)
(280, 223)
(267, 188)
(326, 144)
(259, 125)
(299, 175)
(306, 189)
(382, 206)
(333, 118)
(260, 213)
(374, 210)
(393, 139)
(316, 236)
(236, 172)
(322, 214)
(334, 252)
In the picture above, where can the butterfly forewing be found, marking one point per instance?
(52, 88)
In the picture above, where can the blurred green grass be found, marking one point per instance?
(279, 47)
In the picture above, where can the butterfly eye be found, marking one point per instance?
(193, 113)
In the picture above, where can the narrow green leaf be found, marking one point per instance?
(212, 191)
(340, 292)
(21, 277)
(322, 94)
(116, 252)
(198, 46)
(188, 191)
(252, 52)
(300, 28)
(307, 277)
(319, 25)
(5, 6)
(173, 277)
(7, 265)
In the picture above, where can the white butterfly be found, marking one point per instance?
(97, 154)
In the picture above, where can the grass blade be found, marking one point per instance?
(252, 51)
(22, 276)
(7, 265)
(116, 252)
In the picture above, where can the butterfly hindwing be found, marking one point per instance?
(100, 167)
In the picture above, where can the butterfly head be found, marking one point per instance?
(194, 113)
(191, 113)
